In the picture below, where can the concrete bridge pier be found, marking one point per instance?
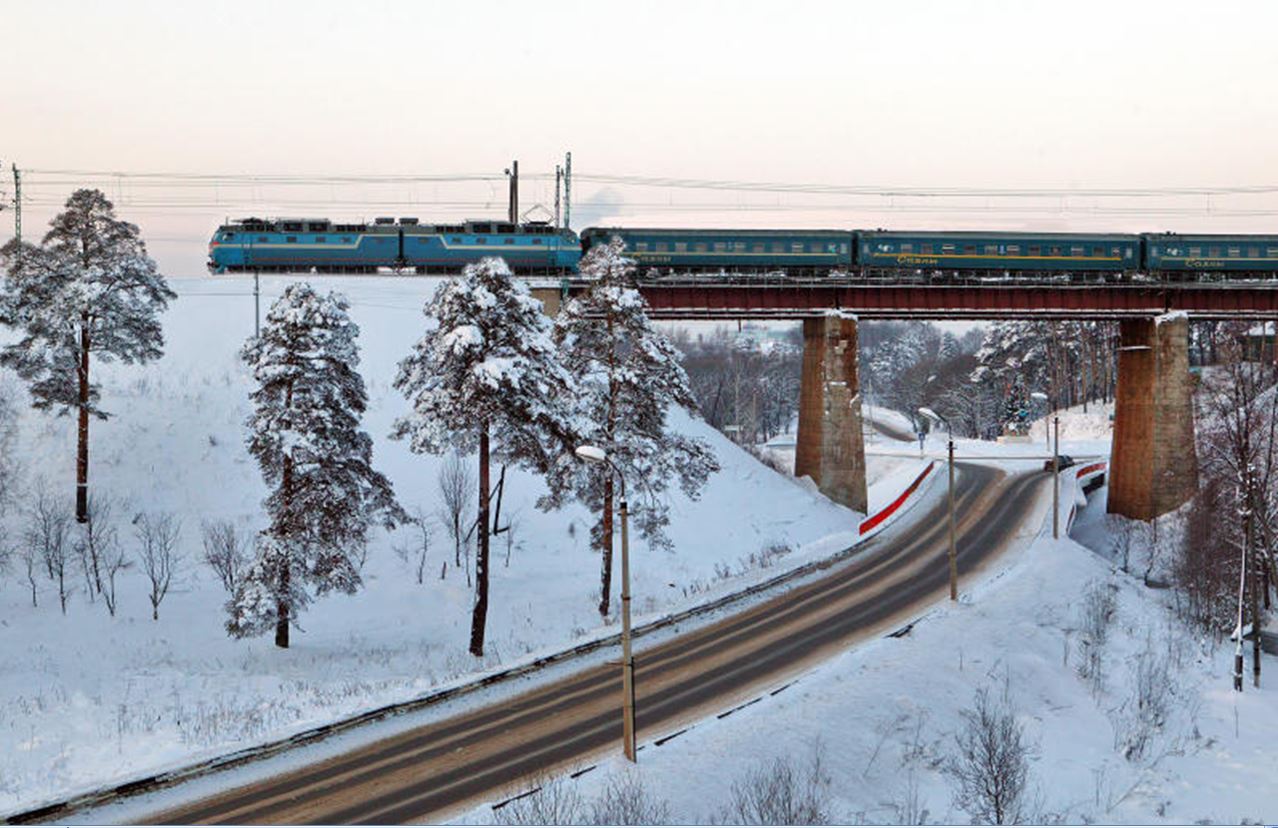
(1153, 465)
(830, 448)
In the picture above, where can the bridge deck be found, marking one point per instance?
(718, 299)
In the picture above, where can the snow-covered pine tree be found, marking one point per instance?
(304, 432)
(88, 289)
(629, 376)
(487, 379)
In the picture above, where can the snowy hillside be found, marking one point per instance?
(86, 699)
(1126, 718)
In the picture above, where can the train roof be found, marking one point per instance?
(1221, 237)
(686, 231)
(1000, 234)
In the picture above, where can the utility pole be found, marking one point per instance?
(559, 174)
(1255, 584)
(953, 543)
(1056, 478)
(568, 191)
(513, 172)
(17, 204)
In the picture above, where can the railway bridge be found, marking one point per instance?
(1154, 466)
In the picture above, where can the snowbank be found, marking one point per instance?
(86, 700)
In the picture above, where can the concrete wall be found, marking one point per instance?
(830, 447)
(1154, 463)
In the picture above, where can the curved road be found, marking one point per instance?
(431, 771)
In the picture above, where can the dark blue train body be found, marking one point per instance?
(993, 251)
(699, 251)
(1210, 253)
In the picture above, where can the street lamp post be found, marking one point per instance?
(594, 454)
(1056, 478)
(927, 412)
(1041, 397)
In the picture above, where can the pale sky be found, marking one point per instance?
(999, 95)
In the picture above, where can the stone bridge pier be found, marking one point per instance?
(1153, 464)
(830, 448)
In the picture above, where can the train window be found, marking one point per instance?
(699, 247)
(262, 238)
(507, 241)
(536, 241)
(1213, 252)
(290, 239)
(796, 247)
(481, 228)
(481, 241)
(1272, 252)
(947, 248)
(778, 247)
(294, 226)
(1035, 250)
(227, 236)
(1076, 250)
(758, 247)
(1235, 252)
(317, 228)
(506, 228)
(1013, 250)
(925, 249)
(1195, 252)
(843, 248)
(907, 247)
(991, 250)
(1253, 252)
(720, 247)
(1054, 250)
(641, 246)
(969, 249)
(1098, 251)
(739, 247)
(320, 239)
(681, 247)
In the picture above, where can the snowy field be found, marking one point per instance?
(87, 700)
(883, 717)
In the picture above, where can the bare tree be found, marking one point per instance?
(991, 767)
(47, 533)
(157, 535)
(226, 551)
(113, 559)
(782, 794)
(97, 532)
(546, 801)
(625, 801)
(414, 553)
(456, 494)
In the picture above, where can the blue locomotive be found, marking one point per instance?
(535, 248)
(282, 245)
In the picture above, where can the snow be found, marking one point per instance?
(885, 713)
(86, 700)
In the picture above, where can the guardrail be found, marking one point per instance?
(165, 779)
(1090, 469)
(887, 511)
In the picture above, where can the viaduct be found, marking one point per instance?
(1153, 464)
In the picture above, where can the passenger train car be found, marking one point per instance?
(539, 248)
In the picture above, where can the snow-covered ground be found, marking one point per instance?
(884, 715)
(87, 700)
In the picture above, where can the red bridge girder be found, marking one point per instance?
(710, 300)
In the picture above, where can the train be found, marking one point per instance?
(538, 248)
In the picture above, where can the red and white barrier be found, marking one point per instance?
(887, 511)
